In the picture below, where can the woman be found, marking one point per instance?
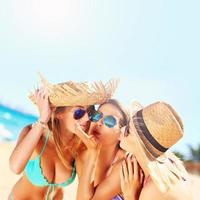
(99, 166)
(151, 132)
(46, 151)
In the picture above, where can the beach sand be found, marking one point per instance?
(8, 179)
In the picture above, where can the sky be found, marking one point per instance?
(151, 46)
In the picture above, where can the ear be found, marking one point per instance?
(59, 115)
(53, 109)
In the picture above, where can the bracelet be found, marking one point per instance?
(43, 124)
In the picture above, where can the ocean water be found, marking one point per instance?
(12, 122)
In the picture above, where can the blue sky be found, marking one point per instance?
(152, 46)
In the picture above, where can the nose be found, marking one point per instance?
(100, 122)
(85, 118)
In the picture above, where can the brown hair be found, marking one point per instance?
(121, 108)
(74, 149)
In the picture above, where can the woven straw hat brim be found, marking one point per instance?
(162, 124)
(78, 94)
(163, 173)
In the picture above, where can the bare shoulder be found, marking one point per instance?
(179, 192)
(23, 133)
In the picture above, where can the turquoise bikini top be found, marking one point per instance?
(34, 173)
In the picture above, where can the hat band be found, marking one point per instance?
(142, 128)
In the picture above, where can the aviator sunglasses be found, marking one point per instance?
(80, 112)
(108, 120)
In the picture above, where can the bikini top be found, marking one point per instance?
(35, 175)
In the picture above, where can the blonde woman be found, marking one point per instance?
(149, 135)
(46, 152)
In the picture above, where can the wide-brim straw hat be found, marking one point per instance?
(72, 93)
(155, 129)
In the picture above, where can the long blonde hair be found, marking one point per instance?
(76, 147)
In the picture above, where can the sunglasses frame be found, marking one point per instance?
(102, 116)
(88, 111)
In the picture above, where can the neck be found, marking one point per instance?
(108, 153)
(66, 137)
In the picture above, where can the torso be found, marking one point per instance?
(104, 168)
(52, 169)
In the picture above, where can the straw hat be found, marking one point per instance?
(72, 93)
(155, 129)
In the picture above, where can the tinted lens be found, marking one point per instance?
(91, 111)
(110, 121)
(96, 116)
(79, 113)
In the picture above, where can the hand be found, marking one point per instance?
(89, 140)
(132, 177)
(42, 101)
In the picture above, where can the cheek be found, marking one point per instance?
(125, 143)
(69, 122)
(111, 135)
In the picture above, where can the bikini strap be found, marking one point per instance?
(45, 143)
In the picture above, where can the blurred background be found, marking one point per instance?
(151, 46)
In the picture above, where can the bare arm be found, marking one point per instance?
(107, 189)
(86, 185)
(29, 137)
(132, 177)
(110, 186)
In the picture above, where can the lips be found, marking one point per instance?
(84, 126)
(96, 133)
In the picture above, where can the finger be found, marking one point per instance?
(41, 92)
(136, 170)
(80, 131)
(94, 141)
(125, 171)
(141, 176)
(98, 148)
(130, 167)
(46, 95)
(127, 154)
(82, 135)
(122, 178)
(99, 145)
(36, 93)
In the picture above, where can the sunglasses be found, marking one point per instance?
(108, 120)
(80, 112)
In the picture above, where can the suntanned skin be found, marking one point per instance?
(29, 146)
(102, 150)
(135, 190)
